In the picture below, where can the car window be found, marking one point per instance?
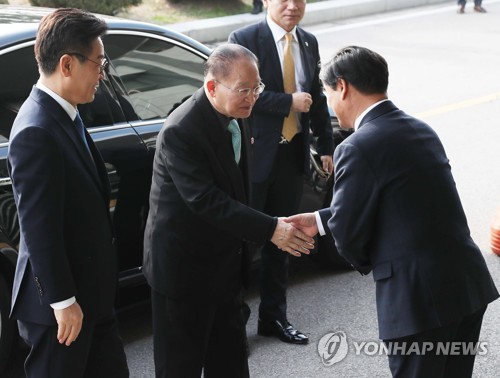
(156, 74)
(105, 110)
(20, 72)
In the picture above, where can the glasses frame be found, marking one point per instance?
(244, 92)
(102, 66)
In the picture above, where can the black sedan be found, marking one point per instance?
(152, 69)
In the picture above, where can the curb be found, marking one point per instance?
(218, 29)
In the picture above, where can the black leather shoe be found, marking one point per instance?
(285, 332)
(256, 9)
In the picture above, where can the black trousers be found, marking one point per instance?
(97, 352)
(280, 196)
(191, 337)
(434, 363)
(476, 2)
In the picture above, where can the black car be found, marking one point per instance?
(152, 69)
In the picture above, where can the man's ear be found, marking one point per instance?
(66, 64)
(211, 87)
(343, 87)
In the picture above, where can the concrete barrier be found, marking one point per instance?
(218, 29)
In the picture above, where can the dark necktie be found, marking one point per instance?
(235, 131)
(80, 129)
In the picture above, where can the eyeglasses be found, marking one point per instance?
(244, 92)
(102, 66)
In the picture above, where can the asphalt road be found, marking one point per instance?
(443, 69)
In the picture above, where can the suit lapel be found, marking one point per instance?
(68, 129)
(308, 61)
(268, 57)
(222, 149)
(245, 154)
(99, 168)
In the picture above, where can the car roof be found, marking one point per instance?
(19, 24)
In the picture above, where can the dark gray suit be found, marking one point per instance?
(274, 104)
(66, 247)
(396, 212)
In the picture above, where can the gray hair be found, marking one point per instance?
(222, 59)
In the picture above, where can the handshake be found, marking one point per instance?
(294, 234)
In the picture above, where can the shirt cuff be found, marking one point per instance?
(63, 304)
(319, 223)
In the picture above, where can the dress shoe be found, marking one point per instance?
(256, 9)
(479, 9)
(461, 9)
(285, 332)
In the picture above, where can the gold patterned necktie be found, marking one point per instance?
(290, 126)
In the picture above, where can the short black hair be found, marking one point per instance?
(65, 30)
(363, 68)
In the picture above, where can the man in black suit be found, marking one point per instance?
(396, 212)
(292, 104)
(196, 256)
(66, 275)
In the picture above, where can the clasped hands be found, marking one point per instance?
(289, 239)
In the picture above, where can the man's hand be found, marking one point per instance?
(289, 239)
(305, 222)
(301, 102)
(327, 161)
(69, 322)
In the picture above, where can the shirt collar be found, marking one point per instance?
(278, 32)
(365, 112)
(68, 108)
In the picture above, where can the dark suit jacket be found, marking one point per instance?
(274, 105)
(63, 205)
(396, 211)
(193, 245)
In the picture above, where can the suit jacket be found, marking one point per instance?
(396, 211)
(198, 224)
(274, 105)
(62, 198)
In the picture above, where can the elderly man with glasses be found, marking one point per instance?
(196, 256)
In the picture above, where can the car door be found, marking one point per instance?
(151, 74)
(124, 153)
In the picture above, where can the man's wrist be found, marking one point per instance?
(321, 229)
(63, 304)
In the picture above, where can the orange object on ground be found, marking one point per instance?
(495, 233)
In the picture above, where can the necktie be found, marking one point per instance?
(80, 129)
(234, 129)
(290, 123)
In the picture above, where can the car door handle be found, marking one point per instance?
(5, 181)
